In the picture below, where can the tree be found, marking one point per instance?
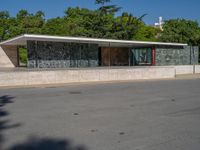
(4, 24)
(88, 23)
(23, 55)
(4, 15)
(55, 26)
(76, 21)
(181, 31)
(107, 9)
(146, 33)
(126, 26)
(22, 14)
(29, 23)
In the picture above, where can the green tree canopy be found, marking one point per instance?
(93, 23)
(146, 33)
(30, 23)
(4, 24)
(181, 31)
(4, 15)
(55, 26)
(107, 9)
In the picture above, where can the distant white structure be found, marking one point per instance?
(160, 23)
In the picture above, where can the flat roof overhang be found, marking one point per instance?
(22, 41)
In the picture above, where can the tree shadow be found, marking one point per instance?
(3, 113)
(35, 143)
(5, 124)
(5, 100)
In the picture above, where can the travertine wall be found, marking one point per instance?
(169, 55)
(186, 69)
(37, 77)
(8, 56)
(40, 77)
(197, 68)
(61, 55)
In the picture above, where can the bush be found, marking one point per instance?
(23, 55)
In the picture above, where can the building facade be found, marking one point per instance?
(71, 52)
(70, 55)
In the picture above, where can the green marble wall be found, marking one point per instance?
(170, 55)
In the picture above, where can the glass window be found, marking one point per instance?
(141, 56)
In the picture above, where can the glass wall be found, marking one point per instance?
(141, 56)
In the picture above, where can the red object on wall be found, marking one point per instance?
(153, 56)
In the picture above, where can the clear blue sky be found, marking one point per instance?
(188, 9)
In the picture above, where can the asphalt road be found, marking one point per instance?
(150, 115)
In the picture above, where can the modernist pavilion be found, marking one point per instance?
(73, 52)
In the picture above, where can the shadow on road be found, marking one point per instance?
(47, 144)
(32, 143)
(5, 124)
(5, 100)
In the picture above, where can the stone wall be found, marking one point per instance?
(168, 55)
(50, 76)
(197, 68)
(61, 55)
(8, 56)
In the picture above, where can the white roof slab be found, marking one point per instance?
(22, 40)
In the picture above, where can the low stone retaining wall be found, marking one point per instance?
(187, 69)
(197, 69)
(37, 77)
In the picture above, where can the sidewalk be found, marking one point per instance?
(188, 76)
